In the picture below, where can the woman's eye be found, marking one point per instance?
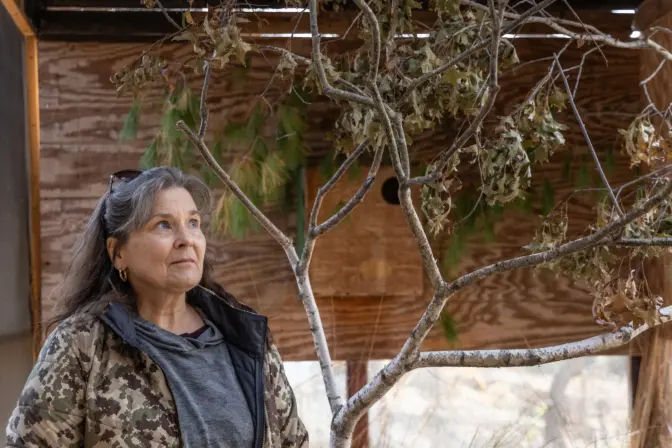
(163, 225)
(194, 223)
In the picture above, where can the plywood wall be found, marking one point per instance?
(81, 119)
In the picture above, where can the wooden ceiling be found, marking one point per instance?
(129, 20)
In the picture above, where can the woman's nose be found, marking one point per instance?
(184, 237)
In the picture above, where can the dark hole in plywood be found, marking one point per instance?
(390, 191)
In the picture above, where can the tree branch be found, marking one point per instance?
(167, 16)
(405, 200)
(466, 54)
(409, 354)
(537, 356)
(327, 88)
(586, 137)
(492, 91)
(266, 223)
(635, 242)
(401, 144)
(301, 270)
(319, 341)
(357, 198)
(204, 99)
(275, 49)
(596, 37)
(375, 55)
(306, 256)
(204, 112)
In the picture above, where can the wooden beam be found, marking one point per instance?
(139, 24)
(20, 19)
(33, 113)
(33, 127)
(357, 372)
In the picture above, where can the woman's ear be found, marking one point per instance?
(112, 245)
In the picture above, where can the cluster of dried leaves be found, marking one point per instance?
(616, 275)
(216, 39)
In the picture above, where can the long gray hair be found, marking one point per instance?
(91, 282)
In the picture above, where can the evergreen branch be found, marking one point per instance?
(409, 355)
(586, 137)
(266, 223)
(537, 356)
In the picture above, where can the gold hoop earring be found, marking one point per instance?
(123, 275)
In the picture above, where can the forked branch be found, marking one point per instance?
(410, 352)
(538, 356)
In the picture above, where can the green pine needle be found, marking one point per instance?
(150, 157)
(129, 130)
(327, 166)
(584, 179)
(609, 162)
(547, 197)
(449, 327)
(567, 165)
(355, 170)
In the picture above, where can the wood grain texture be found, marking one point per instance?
(81, 119)
(371, 253)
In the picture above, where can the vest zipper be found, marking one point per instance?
(262, 415)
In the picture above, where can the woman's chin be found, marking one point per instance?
(184, 282)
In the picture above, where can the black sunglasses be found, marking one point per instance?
(123, 176)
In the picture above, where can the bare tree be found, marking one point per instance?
(398, 84)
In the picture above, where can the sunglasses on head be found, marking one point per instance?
(123, 176)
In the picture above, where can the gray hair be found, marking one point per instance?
(91, 281)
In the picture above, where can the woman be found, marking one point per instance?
(149, 350)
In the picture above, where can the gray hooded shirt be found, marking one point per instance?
(211, 407)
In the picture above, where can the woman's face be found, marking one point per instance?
(166, 254)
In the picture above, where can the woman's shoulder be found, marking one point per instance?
(74, 336)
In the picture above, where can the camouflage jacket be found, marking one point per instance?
(93, 387)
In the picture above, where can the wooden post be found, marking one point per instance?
(357, 378)
(652, 417)
(33, 127)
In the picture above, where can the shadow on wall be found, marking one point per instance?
(16, 360)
